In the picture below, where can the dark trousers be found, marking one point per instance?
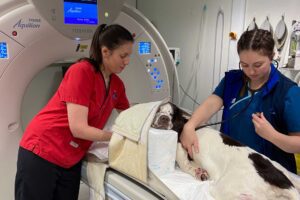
(38, 179)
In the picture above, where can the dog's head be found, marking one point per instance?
(163, 117)
(169, 116)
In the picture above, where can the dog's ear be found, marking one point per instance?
(161, 106)
(174, 107)
(183, 113)
(179, 118)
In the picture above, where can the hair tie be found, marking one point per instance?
(103, 27)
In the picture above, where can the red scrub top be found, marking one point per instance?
(48, 135)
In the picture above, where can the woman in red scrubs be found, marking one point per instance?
(56, 140)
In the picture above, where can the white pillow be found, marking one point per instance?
(100, 148)
(162, 146)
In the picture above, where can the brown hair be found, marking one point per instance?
(112, 37)
(258, 40)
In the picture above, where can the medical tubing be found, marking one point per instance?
(220, 14)
(186, 94)
(196, 62)
(217, 68)
(199, 52)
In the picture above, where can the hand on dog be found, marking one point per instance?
(189, 140)
(262, 126)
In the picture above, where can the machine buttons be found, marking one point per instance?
(154, 73)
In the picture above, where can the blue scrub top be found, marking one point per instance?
(241, 127)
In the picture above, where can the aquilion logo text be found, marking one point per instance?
(31, 23)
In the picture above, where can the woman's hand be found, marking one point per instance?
(208, 108)
(262, 126)
(189, 139)
(288, 143)
(106, 135)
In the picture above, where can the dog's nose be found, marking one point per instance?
(164, 119)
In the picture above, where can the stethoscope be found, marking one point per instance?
(252, 92)
(236, 114)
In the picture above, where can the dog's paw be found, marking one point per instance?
(201, 174)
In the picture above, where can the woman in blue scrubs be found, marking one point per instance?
(261, 106)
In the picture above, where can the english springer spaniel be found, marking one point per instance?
(236, 171)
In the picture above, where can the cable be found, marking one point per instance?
(188, 95)
(218, 49)
(220, 14)
(199, 51)
(226, 120)
(252, 92)
(196, 60)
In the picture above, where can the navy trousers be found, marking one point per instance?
(38, 179)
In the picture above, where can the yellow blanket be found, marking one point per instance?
(128, 145)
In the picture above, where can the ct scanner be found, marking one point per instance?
(37, 33)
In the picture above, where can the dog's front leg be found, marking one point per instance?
(188, 166)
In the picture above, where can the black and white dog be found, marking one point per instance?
(236, 171)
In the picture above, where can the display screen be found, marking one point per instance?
(83, 12)
(144, 48)
(3, 50)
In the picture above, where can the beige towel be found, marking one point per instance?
(128, 145)
(95, 177)
(131, 121)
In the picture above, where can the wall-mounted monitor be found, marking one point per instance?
(81, 12)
